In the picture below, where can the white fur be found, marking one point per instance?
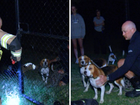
(103, 66)
(82, 69)
(110, 59)
(28, 64)
(93, 83)
(45, 70)
(83, 62)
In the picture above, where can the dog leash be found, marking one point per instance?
(95, 64)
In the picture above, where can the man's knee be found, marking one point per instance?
(120, 62)
(129, 74)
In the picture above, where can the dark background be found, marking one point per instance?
(40, 21)
(35, 13)
(115, 12)
(40, 16)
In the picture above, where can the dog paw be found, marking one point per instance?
(95, 97)
(45, 82)
(101, 101)
(85, 90)
(119, 94)
(43, 79)
(108, 92)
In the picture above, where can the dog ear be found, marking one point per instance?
(96, 72)
(41, 63)
(48, 62)
(89, 60)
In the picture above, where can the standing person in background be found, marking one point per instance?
(99, 39)
(77, 31)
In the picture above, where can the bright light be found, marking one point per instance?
(12, 98)
(13, 101)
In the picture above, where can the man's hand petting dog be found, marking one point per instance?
(101, 81)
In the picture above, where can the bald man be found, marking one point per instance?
(10, 42)
(130, 66)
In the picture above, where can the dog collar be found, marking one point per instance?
(92, 77)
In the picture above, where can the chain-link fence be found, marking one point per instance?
(42, 29)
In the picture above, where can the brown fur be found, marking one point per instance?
(86, 58)
(41, 62)
(119, 81)
(99, 61)
(25, 69)
(96, 71)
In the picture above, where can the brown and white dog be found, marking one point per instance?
(112, 58)
(28, 66)
(84, 61)
(93, 73)
(45, 69)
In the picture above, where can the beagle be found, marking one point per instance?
(28, 66)
(85, 60)
(93, 73)
(111, 58)
(45, 69)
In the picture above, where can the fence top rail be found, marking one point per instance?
(45, 35)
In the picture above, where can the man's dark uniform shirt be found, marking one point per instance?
(132, 60)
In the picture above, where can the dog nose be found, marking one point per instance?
(82, 62)
(85, 72)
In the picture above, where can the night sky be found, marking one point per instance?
(115, 13)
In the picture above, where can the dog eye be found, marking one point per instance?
(90, 68)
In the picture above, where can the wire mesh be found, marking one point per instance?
(43, 34)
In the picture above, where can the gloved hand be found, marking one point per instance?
(13, 62)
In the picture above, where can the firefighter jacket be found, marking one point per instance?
(10, 42)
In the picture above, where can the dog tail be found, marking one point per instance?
(111, 52)
(52, 67)
(110, 48)
(104, 65)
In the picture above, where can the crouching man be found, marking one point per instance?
(130, 66)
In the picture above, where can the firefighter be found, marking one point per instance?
(10, 42)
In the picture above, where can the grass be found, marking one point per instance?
(77, 89)
(33, 87)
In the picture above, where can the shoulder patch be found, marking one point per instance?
(129, 51)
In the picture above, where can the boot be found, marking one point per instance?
(135, 81)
